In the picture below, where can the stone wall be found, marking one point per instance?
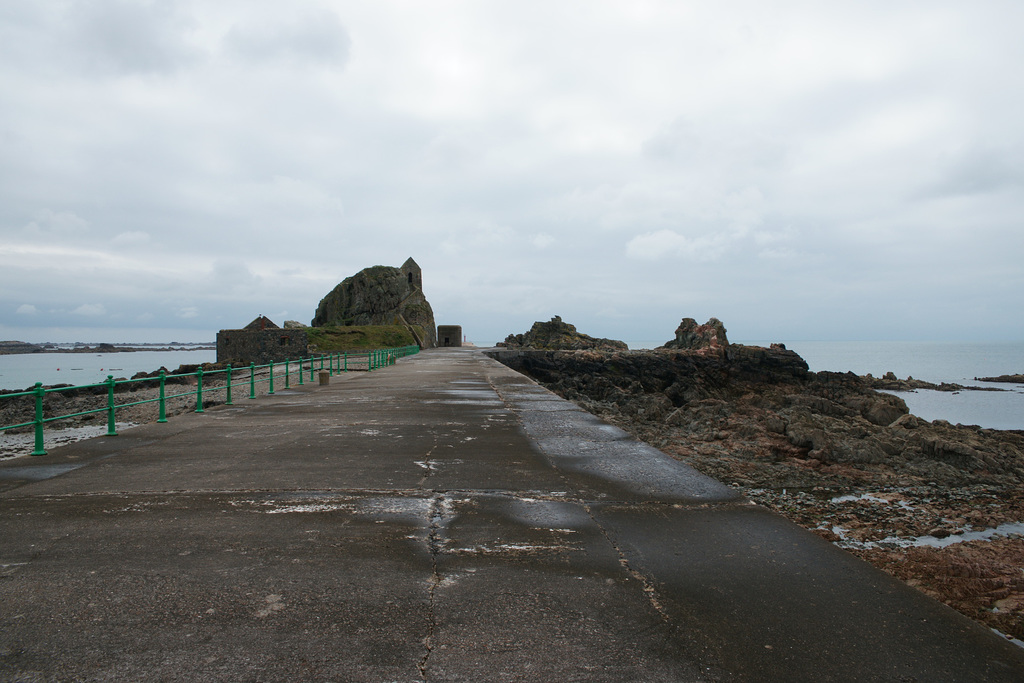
(242, 347)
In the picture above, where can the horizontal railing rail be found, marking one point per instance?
(230, 377)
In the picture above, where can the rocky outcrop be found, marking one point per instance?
(381, 295)
(889, 382)
(11, 347)
(1009, 379)
(558, 335)
(756, 417)
(690, 335)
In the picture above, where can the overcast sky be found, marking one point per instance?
(800, 170)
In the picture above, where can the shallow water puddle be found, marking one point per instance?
(932, 541)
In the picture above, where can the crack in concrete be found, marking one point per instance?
(439, 507)
(650, 592)
(427, 464)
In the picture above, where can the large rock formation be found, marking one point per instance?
(555, 334)
(381, 295)
(690, 335)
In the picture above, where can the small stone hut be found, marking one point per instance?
(261, 342)
(449, 335)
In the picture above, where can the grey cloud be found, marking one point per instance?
(979, 170)
(714, 146)
(316, 37)
(125, 37)
(47, 222)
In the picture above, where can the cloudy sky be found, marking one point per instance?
(800, 170)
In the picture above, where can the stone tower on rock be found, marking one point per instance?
(381, 295)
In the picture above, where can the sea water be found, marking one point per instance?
(21, 371)
(936, 362)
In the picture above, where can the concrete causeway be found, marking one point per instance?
(443, 519)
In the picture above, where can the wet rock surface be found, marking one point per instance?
(829, 452)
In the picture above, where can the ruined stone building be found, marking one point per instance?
(261, 342)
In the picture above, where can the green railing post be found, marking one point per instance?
(301, 382)
(312, 369)
(346, 360)
(199, 389)
(252, 380)
(40, 392)
(330, 364)
(271, 378)
(287, 375)
(228, 402)
(111, 428)
(163, 400)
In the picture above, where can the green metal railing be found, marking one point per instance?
(300, 368)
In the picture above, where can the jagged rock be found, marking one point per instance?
(293, 325)
(558, 335)
(690, 335)
(381, 295)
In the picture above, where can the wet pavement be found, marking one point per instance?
(443, 519)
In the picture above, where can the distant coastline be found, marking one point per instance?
(19, 347)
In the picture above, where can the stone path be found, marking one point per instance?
(444, 519)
